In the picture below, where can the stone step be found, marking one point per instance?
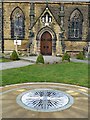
(26, 59)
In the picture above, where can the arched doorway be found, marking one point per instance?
(46, 43)
(53, 38)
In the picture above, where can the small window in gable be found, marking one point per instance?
(46, 18)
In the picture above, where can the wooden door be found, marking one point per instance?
(46, 44)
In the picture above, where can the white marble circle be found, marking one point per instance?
(45, 100)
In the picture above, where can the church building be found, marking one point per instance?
(49, 27)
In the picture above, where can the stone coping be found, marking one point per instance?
(45, 83)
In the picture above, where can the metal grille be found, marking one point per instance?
(45, 100)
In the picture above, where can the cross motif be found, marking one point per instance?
(47, 2)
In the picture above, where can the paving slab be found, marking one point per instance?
(11, 109)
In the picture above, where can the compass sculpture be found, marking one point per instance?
(45, 100)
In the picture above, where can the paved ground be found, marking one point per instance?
(32, 59)
(82, 61)
(47, 59)
(52, 59)
(14, 64)
(10, 109)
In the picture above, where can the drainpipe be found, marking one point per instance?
(1, 25)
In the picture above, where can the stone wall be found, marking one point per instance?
(7, 10)
(39, 8)
(76, 45)
(69, 8)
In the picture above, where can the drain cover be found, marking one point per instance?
(45, 100)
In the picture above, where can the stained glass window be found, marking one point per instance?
(17, 24)
(75, 25)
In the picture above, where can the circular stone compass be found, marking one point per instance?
(45, 100)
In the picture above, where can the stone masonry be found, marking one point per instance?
(60, 15)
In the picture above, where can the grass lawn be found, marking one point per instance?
(5, 60)
(71, 73)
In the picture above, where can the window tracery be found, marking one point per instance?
(17, 24)
(75, 25)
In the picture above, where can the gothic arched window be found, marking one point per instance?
(17, 24)
(75, 25)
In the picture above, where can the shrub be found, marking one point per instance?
(14, 56)
(40, 59)
(66, 57)
(80, 56)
